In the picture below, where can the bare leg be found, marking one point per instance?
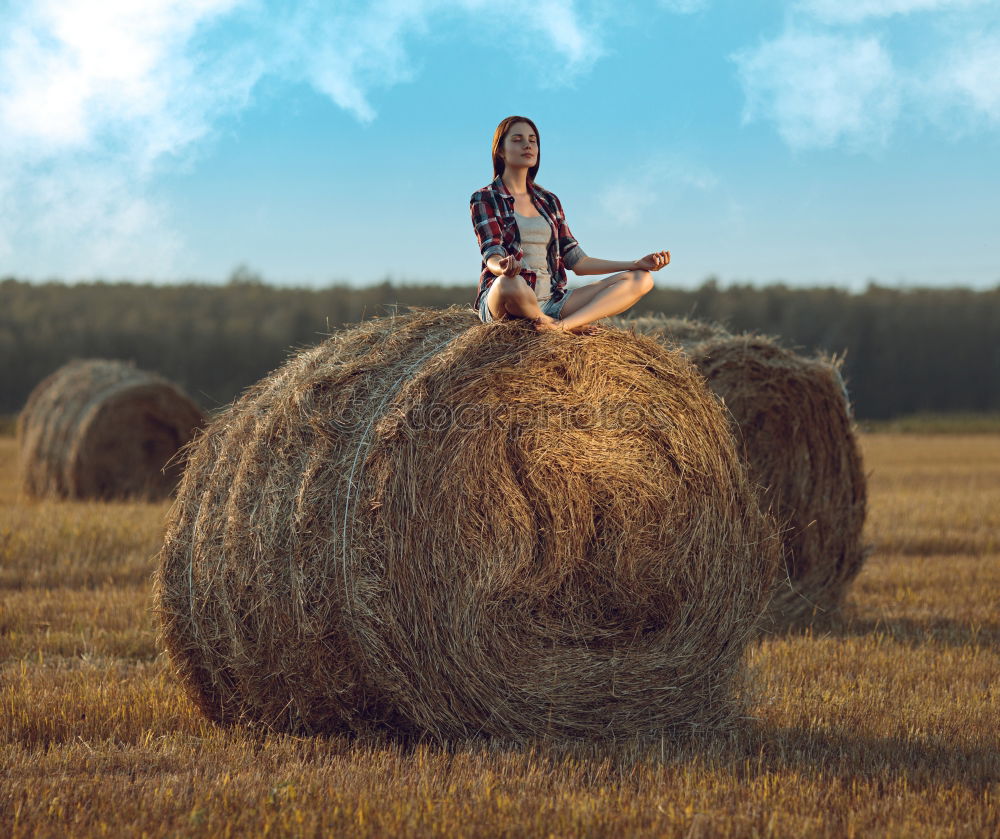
(605, 298)
(512, 297)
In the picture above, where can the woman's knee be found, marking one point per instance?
(512, 288)
(642, 281)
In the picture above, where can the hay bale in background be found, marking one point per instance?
(684, 332)
(103, 430)
(793, 421)
(422, 524)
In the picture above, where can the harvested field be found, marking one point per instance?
(882, 725)
(98, 429)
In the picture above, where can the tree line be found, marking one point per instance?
(906, 350)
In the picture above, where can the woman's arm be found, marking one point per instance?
(591, 265)
(582, 265)
(487, 227)
(503, 265)
(486, 224)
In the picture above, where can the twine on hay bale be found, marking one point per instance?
(423, 524)
(98, 429)
(793, 421)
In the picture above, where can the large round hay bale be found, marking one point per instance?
(423, 524)
(793, 422)
(103, 429)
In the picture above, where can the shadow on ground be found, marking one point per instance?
(910, 631)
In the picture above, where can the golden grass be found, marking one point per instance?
(934, 493)
(48, 545)
(881, 724)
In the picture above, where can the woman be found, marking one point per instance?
(527, 247)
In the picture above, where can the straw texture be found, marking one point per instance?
(425, 524)
(99, 429)
(792, 419)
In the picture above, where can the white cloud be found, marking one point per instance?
(76, 75)
(661, 180)
(855, 11)
(821, 89)
(558, 20)
(345, 53)
(117, 230)
(92, 98)
(97, 98)
(839, 75)
(349, 52)
(968, 81)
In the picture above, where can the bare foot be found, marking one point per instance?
(584, 329)
(547, 323)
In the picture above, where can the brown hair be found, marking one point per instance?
(498, 138)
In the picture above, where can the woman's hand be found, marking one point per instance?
(653, 261)
(509, 266)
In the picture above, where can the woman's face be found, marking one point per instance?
(520, 146)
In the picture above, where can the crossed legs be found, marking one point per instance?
(610, 296)
(512, 297)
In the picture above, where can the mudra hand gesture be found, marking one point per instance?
(509, 266)
(653, 261)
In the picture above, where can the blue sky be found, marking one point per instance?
(807, 141)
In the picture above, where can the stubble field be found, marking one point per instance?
(881, 723)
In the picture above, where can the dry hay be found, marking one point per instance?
(685, 332)
(793, 419)
(423, 524)
(102, 429)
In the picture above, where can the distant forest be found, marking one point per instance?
(907, 351)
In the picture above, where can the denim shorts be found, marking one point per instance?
(548, 306)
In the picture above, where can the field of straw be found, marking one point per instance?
(881, 723)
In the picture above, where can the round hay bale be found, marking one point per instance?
(684, 332)
(423, 524)
(98, 429)
(792, 419)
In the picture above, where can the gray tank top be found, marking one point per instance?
(535, 237)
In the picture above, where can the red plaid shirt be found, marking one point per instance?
(492, 209)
